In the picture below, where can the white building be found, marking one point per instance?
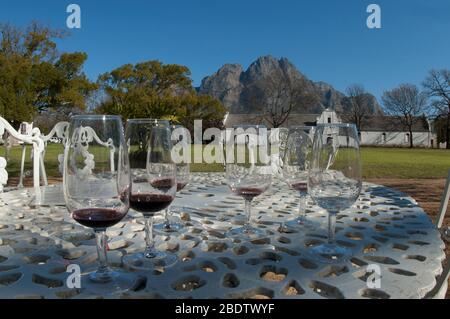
(376, 131)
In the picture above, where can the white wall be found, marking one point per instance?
(420, 139)
(376, 138)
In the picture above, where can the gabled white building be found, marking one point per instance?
(376, 131)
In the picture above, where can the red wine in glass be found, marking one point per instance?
(301, 187)
(153, 185)
(98, 198)
(247, 191)
(296, 162)
(163, 184)
(181, 186)
(149, 204)
(98, 218)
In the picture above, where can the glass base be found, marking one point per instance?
(247, 232)
(144, 261)
(301, 222)
(194, 224)
(330, 253)
(175, 225)
(111, 282)
(169, 226)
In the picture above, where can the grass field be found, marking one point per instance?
(405, 163)
(377, 162)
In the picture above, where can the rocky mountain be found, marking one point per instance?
(231, 83)
(226, 86)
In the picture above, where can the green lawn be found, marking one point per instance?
(377, 162)
(51, 160)
(405, 163)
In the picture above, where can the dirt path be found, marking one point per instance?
(427, 192)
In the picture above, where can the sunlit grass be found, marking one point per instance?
(376, 162)
(405, 163)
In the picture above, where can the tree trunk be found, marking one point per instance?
(447, 133)
(411, 142)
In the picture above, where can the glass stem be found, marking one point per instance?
(331, 227)
(248, 213)
(103, 272)
(302, 209)
(149, 238)
(166, 219)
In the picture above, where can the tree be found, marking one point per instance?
(203, 107)
(440, 128)
(359, 108)
(155, 90)
(275, 96)
(437, 87)
(406, 103)
(47, 119)
(147, 89)
(34, 77)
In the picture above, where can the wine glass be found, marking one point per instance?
(334, 180)
(283, 134)
(96, 185)
(180, 140)
(248, 170)
(153, 176)
(296, 162)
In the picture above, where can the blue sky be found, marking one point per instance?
(327, 40)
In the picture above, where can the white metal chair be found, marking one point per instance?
(24, 151)
(33, 139)
(25, 129)
(60, 130)
(440, 290)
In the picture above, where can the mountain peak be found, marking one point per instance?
(230, 67)
(263, 65)
(231, 83)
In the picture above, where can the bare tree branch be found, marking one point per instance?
(407, 103)
(359, 106)
(437, 87)
(275, 96)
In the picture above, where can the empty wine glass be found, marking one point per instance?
(180, 141)
(153, 176)
(248, 170)
(283, 134)
(296, 162)
(334, 180)
(96, 184)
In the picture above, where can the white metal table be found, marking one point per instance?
(385, 228)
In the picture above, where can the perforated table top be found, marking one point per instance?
(385, 228)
